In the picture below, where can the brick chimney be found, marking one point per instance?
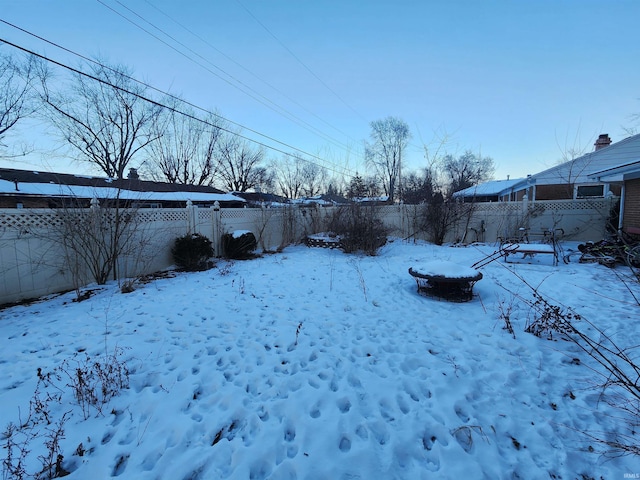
(603, 141)
(133, 173)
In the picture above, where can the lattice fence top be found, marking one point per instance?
(244, 213)
(29, 219)
(205, 214)
(162, 215)
(575, 205)
(497, 207)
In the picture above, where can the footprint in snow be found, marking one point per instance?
(344, 405)
(106, 438)
(315, 412)
(402, 404)
(263, 414)
(345, 444)
(461, 413)
(289, 433)
(380, 432)
(120, 466)
(361, 432)
(354, 381)
(150, 461)
(292, 451)
(333, 386)
(313, 383)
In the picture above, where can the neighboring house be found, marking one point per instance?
(492, 191)
(381, 200)
(569, 180)
(323, 200)
(626, 175)
(32, 189)
(573, 180)
(261, 199)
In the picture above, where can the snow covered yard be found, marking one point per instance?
(313, 364)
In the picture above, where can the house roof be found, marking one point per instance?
(26, 182)
(380, 199)
(580, 170)
(619, 173)
(492, 188)
(323, 199)
(262, 198)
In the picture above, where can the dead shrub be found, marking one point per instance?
(359, 229)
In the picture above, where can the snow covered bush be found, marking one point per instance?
(192, 252)
(359, 229)
(239, 244)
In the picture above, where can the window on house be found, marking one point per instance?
(590, 191)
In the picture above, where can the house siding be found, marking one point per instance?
(632, 204)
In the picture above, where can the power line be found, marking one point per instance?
(203, 40)
(345, 171)
(173, 109)
(299, 60)
(243, 87)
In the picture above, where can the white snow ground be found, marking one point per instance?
(314, 364)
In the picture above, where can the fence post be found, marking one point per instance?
(191, 219)
(215, 226)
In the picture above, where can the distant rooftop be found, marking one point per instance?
(494, 187)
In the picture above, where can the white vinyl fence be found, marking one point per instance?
(33, 262)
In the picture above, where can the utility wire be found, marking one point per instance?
(210, 45)
(299, 60)
(249, 91)
(172, 109)
(229, 82)
(347, 172)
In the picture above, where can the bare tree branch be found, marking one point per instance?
(389, 139)
(16, 94)
(107, 123)
(185, 150)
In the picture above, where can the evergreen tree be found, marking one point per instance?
(357, 187)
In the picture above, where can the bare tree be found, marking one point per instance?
(314, 178)
(240, 165)
(95, 240)
(185, 150)
(289, 176)
(569, 170)
(466, 170)
(16, 99)
(105, 120)
(389, 138)
(441, 215)
(336, 185)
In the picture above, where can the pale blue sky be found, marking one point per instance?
(519, 81)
